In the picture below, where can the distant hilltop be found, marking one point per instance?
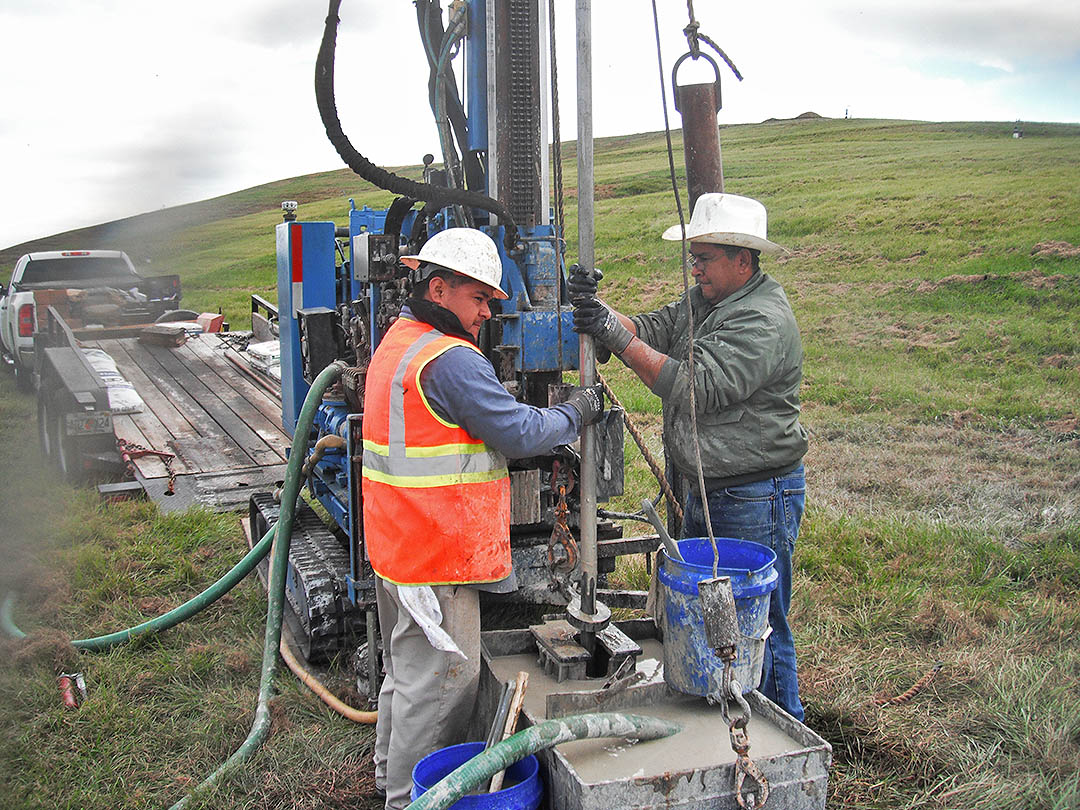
(803, 117)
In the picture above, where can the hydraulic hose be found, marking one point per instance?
(429, 19)
(275, 585)
(6, 624)
(324, 694)
(501, 756)
(441, 197)
(165, 620)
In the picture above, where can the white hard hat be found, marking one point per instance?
(727, 219)
(463, 250)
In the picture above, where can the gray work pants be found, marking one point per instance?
(428, 697)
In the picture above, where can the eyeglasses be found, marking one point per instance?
(698, 260)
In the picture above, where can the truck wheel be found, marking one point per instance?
(67, 457)
(24, 379)
(45, 427)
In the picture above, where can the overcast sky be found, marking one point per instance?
(116, 107)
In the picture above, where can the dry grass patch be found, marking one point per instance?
(1013, 484)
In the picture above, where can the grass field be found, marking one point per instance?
(935, 274)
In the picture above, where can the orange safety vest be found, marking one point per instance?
(436, 499)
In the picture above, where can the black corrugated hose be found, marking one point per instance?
(441, 197)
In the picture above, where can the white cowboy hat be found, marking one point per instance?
(727, 219)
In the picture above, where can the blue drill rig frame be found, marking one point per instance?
(340, 287)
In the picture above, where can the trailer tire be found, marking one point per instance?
(45, 425)
(67, 455)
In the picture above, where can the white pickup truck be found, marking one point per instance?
(90, 287)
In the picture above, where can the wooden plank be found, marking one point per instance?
(245, 395)
(157, 435)
(240, 405)
(210, 454)
(260, 398)
(164, 410)
(219, 411)
(210, 441)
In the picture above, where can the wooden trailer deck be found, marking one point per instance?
(223, 428)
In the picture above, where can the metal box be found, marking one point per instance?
(693, 770)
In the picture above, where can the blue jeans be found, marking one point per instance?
(766, 512)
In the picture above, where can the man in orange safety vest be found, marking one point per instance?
(438, 428)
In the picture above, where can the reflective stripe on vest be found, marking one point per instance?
(436, 510)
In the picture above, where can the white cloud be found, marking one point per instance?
(113, 107)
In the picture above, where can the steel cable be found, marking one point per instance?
(686, 294)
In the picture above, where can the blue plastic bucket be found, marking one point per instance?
(523, 777)
(690, 665)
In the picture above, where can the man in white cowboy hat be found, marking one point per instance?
(438, 428)
(747, 370)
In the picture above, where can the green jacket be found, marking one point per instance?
(748, 367)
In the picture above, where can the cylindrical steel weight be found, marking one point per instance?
(701, 139)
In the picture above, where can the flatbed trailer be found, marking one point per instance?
(212, 428)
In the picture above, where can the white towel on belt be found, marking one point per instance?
(423, 606)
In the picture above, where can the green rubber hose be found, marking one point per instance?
(6, 624)
(165, 620)
(275, 585)
(501, 756)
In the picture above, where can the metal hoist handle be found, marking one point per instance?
(675, 71)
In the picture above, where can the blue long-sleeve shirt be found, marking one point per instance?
(462, 388)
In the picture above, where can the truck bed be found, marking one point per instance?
(223, 429)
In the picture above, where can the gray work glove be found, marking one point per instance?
(589, 402)
(591, 315)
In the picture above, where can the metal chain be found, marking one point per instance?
(562, 549)
(129, 451)
(731, 693)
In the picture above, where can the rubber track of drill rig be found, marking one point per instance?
(322, 617)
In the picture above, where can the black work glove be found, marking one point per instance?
(589, 402)
(592, 316)
(582, 283)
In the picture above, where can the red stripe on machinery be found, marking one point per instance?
(296, 252)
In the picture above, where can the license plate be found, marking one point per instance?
(82, 424)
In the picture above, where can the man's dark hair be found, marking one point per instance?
(731, 251)
(427, 271)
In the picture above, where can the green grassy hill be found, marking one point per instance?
(935, 273)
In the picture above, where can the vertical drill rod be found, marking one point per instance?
(587, 358)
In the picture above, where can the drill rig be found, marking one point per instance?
(340, 287)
